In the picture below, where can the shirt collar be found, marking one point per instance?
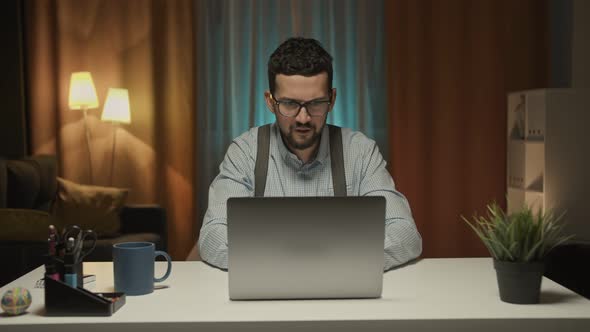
(288, 156)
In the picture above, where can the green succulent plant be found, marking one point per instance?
(521, 236)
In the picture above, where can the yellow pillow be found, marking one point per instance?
(90, 207)
(24, 225)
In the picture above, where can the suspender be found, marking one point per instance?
(336, 156)
(261, 168)
(337, 161)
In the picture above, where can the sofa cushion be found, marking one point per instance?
(23, 182)
(24, 225)
(90, 207)
(28, 183)
(47, 168)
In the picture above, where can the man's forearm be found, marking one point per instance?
(402, 243)
(213, 245)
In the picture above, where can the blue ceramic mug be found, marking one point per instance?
(133, 267)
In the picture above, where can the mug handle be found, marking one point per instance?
(168, 270)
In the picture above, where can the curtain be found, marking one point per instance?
(234, 41)
(145, 47)
(426, 79)
(450, 66)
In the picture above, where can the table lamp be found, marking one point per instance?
(83, 97)
(116, 110)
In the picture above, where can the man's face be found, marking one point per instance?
(302, 131)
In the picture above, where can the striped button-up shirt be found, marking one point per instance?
(365, 173)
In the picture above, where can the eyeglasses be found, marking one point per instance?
(291, 108)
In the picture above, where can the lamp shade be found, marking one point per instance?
(116, 107)
(82, 91)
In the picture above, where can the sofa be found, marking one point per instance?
(31, 185)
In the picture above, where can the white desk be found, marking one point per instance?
(432, 294)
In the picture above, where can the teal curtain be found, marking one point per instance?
(234, 40)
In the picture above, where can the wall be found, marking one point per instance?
(580, 44)
(13, 141)
(570, 49)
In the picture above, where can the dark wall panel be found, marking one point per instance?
(13, 137)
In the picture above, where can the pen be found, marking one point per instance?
(50, 270)
(52, 241)
(70, 275)
(52, 230)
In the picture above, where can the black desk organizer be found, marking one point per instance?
(62, 299)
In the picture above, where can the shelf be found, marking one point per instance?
(527, 190)
(546, 159)
(526, 114)
(525, 164)
(518, 197)
(528, 140)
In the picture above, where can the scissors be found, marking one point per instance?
(80, 236)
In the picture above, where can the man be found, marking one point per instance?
(300, 96)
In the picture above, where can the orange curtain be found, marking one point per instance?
(145, 47)
(450, 66)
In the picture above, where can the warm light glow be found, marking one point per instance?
(116, 107)
(82, 91)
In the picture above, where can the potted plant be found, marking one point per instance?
(518, 243)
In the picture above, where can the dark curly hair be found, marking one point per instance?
(299, 56)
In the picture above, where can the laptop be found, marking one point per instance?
(305, 247)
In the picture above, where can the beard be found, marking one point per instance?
(301, 143)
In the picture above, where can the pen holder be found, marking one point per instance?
(63, 300)
(78, 269)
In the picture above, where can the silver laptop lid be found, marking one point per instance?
(305, 247)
